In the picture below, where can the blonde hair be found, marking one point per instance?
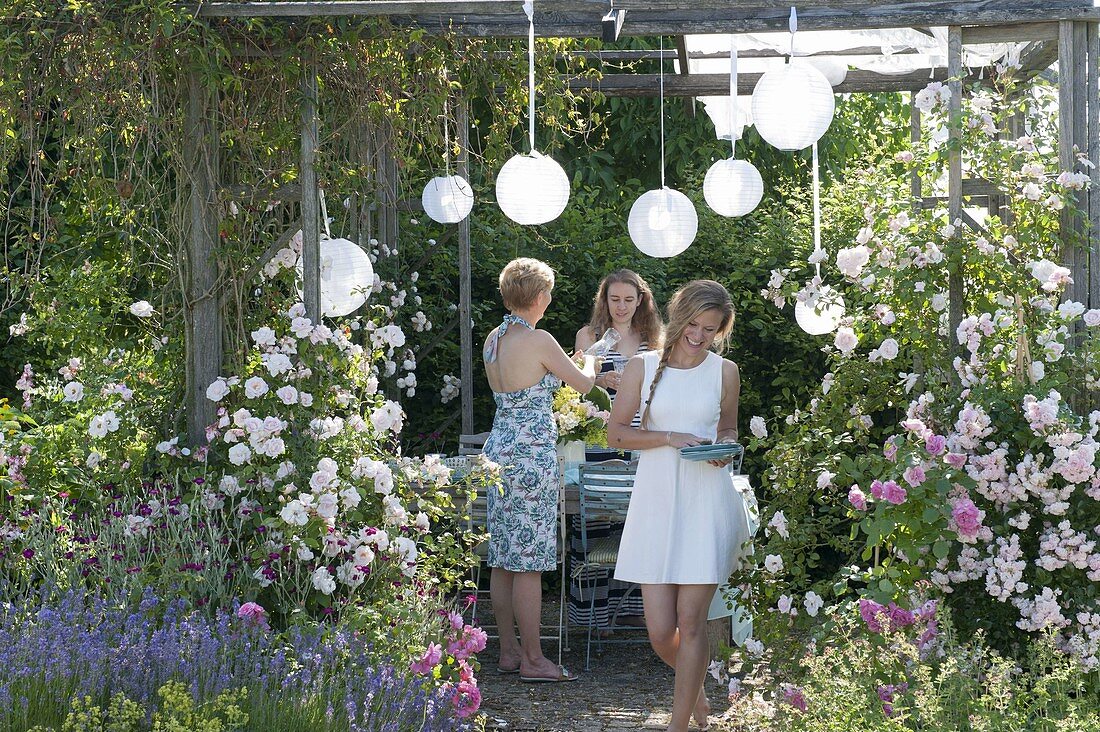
(689, 302)
(522, 280)
(646, 320)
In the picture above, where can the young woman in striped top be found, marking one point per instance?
(623, 302)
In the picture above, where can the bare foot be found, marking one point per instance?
(508, 663)
(543, 668)
(701, 711)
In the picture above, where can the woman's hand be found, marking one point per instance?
(684, 439)
(611, 380)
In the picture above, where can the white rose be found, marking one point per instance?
(229, 485)
(852, 260)
(323, 581)
(74, 391)
(294, 513)
(845, 340)
(301, 327)
(327, 505)
(264, 337)
(1092, 318)
(141, 309)
(217, 391)
(813, 603)
(240, 454)
(757, 427)
(93, 459)
(773, 563)
(255, 387)
(888, 349)
(287, 394)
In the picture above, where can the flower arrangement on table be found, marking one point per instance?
(582, 417)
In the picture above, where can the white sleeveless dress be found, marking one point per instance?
(686, 524)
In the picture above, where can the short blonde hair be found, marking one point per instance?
(522, 280)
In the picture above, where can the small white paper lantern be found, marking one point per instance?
(792, 106)
(820, 314)
(346, 277)
(733, 187)
(532, 189)
(662, 222)
(447, 199)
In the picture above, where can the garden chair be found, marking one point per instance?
(604, 496)
(478, 522)
(472, 444)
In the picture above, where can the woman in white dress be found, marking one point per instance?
(685, 529)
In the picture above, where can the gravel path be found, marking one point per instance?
(627, 688)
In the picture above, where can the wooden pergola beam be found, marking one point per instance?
(583, 18)
(718, 85)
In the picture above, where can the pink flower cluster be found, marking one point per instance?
(795, 696)
(889, 491)
(966, 519)
(886, 694)
(463, 642)
(253, 614)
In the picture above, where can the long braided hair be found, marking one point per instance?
(646, 320)
(689, 302)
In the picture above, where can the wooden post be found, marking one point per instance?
(914, 137)
(465, 296)
(1093, 253)
(202, 309)
(311, 229)
(1073, 137)
(954, 177)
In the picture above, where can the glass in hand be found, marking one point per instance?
(600, 348)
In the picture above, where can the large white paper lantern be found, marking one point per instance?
(346, 277)
(821, 313)
(792, 106)
(447, 199)
(532, 189)
(733, 187)
(662, 222)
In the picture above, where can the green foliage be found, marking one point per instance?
(856, 681)
(176, 711)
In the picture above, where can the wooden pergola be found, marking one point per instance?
(1065, 31)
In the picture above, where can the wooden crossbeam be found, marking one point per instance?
(718, 85)
(582, 18)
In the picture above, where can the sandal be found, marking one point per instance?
(563, 676)
(507, 671)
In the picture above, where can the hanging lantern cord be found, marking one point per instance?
(733, 96)
(662, 94)
(324, 211)
(446, 132)
(792, 23)
(817, 213)
(529, 9)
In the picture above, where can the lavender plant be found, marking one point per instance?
(94, 647)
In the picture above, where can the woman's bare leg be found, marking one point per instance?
(664, 605)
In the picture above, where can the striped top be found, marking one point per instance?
(612, 358)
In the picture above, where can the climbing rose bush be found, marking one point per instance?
(960, 453)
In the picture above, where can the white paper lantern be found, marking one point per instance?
(532, 189)
(792, 106)
(447, 199)
(733, 187)
(820, 314)
(831, 68)
(662, 222)
(346, 277)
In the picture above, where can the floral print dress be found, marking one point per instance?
(523, 510)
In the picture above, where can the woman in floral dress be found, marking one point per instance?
(524, 367)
